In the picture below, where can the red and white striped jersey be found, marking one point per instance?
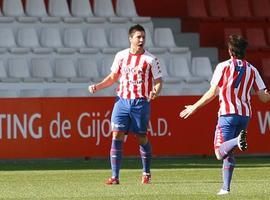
(137, 72)
(235, 78)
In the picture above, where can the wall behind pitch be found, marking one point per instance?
(80, 127)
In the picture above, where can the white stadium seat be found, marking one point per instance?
(78, 92)
(41, 68)
(59, 8)
(105, 67)
(104, 8)
(7, 41)
(35, 8)
(27, 37)
(175, 90)
(126, 8)
(64, 69)
(30, 93)
(8, 93)
(4, 76)
(119, 38)
(149, 45)
(163, 37)
(50, 37)
(178, 67)
(19, 68)
(167, 79)
(3, 72)
(88, 69)
(83, 9)
(7, 38)
(6, 19)
(96, 38)
(14, 8)
(73, 38)
(201, 67)
(55, 92)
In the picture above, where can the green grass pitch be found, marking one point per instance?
(172, 178)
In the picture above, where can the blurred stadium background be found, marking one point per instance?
(51, 50)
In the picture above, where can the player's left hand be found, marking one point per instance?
(189, 110)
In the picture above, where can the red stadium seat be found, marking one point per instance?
(266, 67)
(268, 35)
(218, 8)
(256, 38)
(196, 8)
(265, 70)
(241, 8)
(261, 8)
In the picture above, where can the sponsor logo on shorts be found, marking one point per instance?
(117, 125)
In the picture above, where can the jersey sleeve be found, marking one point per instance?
(156, 68)
(258, 83)
(116, 64)
(217, 75)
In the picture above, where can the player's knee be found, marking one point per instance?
(142, 139)
(118, 135)
(218, 155)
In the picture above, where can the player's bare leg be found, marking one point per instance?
(146, 155)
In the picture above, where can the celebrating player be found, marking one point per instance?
(233, 80)
(140, 81)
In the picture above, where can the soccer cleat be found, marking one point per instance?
(223, 192)
(146, 178)
(112, 181)
(242, 140)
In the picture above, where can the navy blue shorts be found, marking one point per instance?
(229, 127)
(130, 115)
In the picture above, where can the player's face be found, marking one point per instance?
(137, 41)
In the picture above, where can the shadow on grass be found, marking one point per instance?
(128, 163)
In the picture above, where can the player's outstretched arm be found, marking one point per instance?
(205, 99)
(106, 82)
(264, 95)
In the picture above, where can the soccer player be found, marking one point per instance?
(233, 80)
(140, 80)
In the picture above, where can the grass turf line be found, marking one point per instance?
(173, 178)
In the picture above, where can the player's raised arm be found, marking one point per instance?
(106, 82)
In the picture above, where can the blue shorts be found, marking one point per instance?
(229, 127)
(130, 115)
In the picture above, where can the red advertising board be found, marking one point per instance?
(80, 127)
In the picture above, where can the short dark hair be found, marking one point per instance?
(135, 28)
(237, 46)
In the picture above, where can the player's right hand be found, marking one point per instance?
(189, 110)
(92, 89)
(153, 95)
